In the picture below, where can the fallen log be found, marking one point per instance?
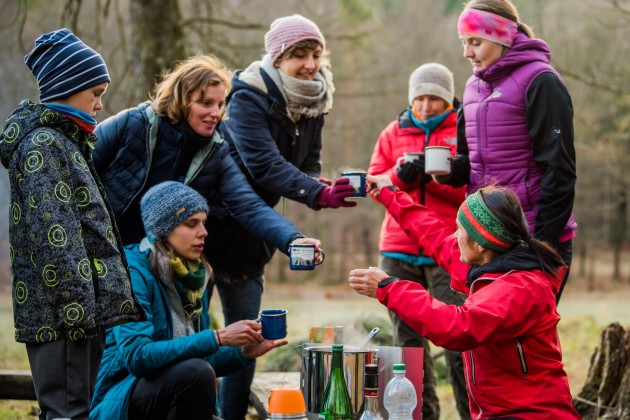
(16, 385)
(606, 390)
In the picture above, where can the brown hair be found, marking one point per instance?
(504, 8)
(307, 44)
(164, 248)
(505, 205)
(177, 85)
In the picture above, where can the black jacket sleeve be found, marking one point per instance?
(460, 163)
(550, 124)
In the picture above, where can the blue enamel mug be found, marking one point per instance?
(274, 323)
(357, 180)
(304, 256)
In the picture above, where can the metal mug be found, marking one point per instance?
(274, 323)
(357, 180)
(303, 256)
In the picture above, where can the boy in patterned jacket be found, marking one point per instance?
(70, 278)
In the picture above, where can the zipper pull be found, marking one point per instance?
(297, 131)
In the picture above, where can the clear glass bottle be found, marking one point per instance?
(400, 397)
(371, 409)
(336, 403)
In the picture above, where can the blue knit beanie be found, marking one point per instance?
(63, 65)
(167, 205)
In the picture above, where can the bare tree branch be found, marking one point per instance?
(590, 81)
(225, 23)
(620, 7)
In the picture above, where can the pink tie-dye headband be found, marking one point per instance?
(486, 25)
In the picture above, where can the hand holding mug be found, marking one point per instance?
(411, 168)
(377, 182)
(334, 197)
(305, 255)
(240, 333)
(304, 241)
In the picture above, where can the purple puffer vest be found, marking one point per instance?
(500, 148)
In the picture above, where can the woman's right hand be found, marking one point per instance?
(376, 182)
(241, 333)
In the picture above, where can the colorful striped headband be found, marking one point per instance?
(485, 228)
(486, 25)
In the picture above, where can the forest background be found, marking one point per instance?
(374, 44)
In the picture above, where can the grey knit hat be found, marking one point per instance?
(432, 79)
(167, 205)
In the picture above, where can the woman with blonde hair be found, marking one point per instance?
(174, 137)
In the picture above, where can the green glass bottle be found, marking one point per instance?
(336, 404)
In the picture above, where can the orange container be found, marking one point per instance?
(286, 401)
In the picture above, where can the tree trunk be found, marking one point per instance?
(606, 391)
(157, 41)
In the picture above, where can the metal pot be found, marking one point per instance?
(315, 369)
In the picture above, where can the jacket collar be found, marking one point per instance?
(521, 258)
(524, 50)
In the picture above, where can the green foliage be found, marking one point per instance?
(439, 369)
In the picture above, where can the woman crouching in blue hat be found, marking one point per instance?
(166, 366)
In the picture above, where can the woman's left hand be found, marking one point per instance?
(307, 241)
(319, 257)
(252, 351)
(364, 281)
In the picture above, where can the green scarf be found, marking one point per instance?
(190, 278)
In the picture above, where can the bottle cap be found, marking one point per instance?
(399, 367)
(371, 377)
(286, 401)
(371, 369)
(337, 347)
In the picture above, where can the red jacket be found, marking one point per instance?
(402, 136)
(506, 329)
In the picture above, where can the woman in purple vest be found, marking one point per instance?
(515, 127)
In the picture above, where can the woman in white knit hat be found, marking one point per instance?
(428, 120)
(274, 128)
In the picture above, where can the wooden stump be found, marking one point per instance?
(606, 391)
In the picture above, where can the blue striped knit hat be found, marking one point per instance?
(167, 205)
(63, 65)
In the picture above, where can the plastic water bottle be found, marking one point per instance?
(400, 395)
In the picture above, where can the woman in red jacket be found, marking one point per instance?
(507, 327)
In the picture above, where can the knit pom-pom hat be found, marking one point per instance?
(288, 30)
(432, 79)
(63, 65)
(167, 205)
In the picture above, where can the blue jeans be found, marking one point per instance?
(240, 298)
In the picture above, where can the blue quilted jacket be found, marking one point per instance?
(123, 157)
